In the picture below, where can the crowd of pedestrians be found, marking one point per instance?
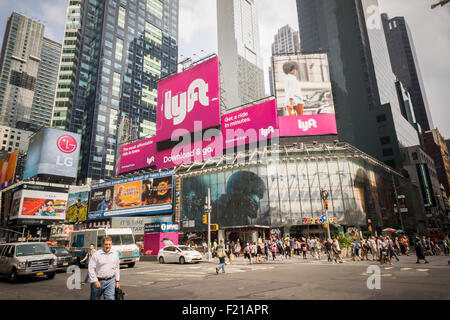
(383, 249)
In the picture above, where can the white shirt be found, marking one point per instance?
(293, 90)
(104, 265)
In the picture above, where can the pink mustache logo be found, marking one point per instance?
(177, 107)
(306, 125)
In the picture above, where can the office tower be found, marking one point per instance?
(13, 138)
(19, 65)
(287, 40)
(367, 107)
(121, 48)
(67, 77)
(44, 96)
(405, 66)
(239, 53)
(435, 146)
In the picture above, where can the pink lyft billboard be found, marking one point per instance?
(192, 95)
(258, 122)
(314, 124)
(190, 152)
(137, 155)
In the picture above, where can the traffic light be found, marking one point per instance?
(214, 227)
(325, 202)
(325, 225)
(205, 218)
(370, 228)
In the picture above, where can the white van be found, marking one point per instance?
(122, 242)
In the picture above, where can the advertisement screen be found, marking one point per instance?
(42, 205)
(77, 206)
(304, 97)
(251, 124)
(137, 155)
(190, 153)
(144, 195)
(15, 205)
(7, 169)
(188, 97)
(53, 152)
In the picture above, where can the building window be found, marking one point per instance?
(385, 140)
(121, 19)
(119, 49)
(155, 7)
(381, 118)
(388, 152)
(116, 84)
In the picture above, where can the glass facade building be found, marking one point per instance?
(286, 193)
(367, 108)
(122, 48)
(44, 96)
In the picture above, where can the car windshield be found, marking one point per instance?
(122, 239)
(60, 250)
(186, 248)
(32, 249)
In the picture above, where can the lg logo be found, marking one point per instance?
(67, 144)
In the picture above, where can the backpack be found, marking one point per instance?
(220, 252)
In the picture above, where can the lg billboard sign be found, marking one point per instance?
(53, 152)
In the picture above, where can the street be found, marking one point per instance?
(294, 279)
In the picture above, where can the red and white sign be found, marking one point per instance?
(66, 144)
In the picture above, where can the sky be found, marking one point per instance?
(198, 35)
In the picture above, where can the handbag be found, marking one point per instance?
(119, 294)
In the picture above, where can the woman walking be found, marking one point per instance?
(420, 250)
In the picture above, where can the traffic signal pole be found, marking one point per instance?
(208, 210)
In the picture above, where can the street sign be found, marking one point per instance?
(214, 227)
(324, 194)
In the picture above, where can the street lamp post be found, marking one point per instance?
(208, 211)
(324, 196)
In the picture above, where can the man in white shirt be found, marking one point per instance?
(104, 272)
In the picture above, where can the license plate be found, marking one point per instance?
(40, 274)
(65, 264)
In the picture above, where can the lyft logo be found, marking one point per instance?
(266, 132)
(177, 107)
(306, 125)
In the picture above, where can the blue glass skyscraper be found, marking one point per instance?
(122, 48)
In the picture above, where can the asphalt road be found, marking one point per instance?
(294, 279)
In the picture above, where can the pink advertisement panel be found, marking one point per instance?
(137, 155)
(189, 153)
(258, 122)
(314, 124)
(188, 96)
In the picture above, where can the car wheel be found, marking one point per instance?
(50, 276)
(131, 265)
(161, 259)
(13, 275)
(182, 261)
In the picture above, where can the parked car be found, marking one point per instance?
(180, 254)
(320, 102)
(64, 258)
(27, 259)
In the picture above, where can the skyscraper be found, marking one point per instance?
(20, 62)
(368, 113)
(44, 96)
(242, 76)
(287, 40)
(114, 53)
(406, 67)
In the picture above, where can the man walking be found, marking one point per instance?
(104, 272)
(220, 250)
(88, 258)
